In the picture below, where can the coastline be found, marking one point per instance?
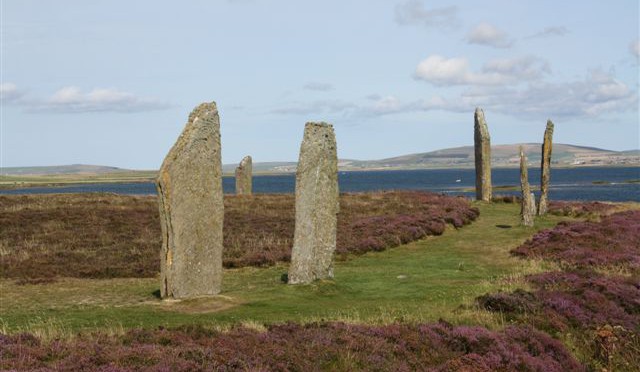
(8, 182)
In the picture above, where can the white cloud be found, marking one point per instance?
(549, 32)
(10, 93)
(386, 105)
(443, 71)
(597, 93)
(319, 87)
(525, 94)
(487, 34)
(414, 12)
(634, 48)
(72, 100)
(522, 68)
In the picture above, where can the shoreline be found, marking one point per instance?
(12, 182)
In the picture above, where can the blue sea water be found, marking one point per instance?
(566, 183)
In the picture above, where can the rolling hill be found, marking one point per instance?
(503, 156)
(458, 157)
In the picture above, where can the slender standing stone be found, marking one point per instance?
(482, 147)
(191, 209)
(244, 177)
(545, 168)
(314, 240)
(527, 206)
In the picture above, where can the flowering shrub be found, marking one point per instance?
(603, 309)
(287, 347)
(104, 235)
(580, 301)
(580, 209)
(614, 241)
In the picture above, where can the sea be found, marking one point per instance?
(571, 184)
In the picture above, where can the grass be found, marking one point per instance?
(51, 180)
(435, 278)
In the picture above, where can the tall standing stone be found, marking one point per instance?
(191, 209)
(545, 168)
(244, 177)
(528, 204)
(482, 147)
(314, 240)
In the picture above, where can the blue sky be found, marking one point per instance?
(112, 82)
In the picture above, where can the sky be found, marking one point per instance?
(112, 82)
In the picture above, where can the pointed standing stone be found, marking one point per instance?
(244, 177)
(545, 166)
(527, 206)
(189, 187)
(317, 206)
(482, 147)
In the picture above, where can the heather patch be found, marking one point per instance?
(112, 236)
(290, 346)
(613, 241)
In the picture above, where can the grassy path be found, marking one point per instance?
(423, 281)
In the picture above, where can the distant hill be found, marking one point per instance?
(78, 169)
(504, 156)
(458, 157)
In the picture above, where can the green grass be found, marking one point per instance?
(420, 282)
(16, 181)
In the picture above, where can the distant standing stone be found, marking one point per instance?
(482, 147)
(244, 182)
(189, 187)
(528, 204)
(545, 168)
(317, 206)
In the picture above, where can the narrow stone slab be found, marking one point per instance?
(317, 206)
(482, 147)
(527, 206)
(545, 168)
(244, 177)
(189, 187)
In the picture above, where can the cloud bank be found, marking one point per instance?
(598, 93)
(72, 99)
(442, 71)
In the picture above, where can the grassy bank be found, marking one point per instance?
(52, 180)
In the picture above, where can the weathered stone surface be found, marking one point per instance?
(317, 206)
(482, 146)
(244, 177)
(527, 206)
(545, 168)
(189, 187)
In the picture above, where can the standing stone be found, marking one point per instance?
(191, 209)
(527, 206)
(244, 177)
(314, 240)
(545, 168)
(482, 147)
